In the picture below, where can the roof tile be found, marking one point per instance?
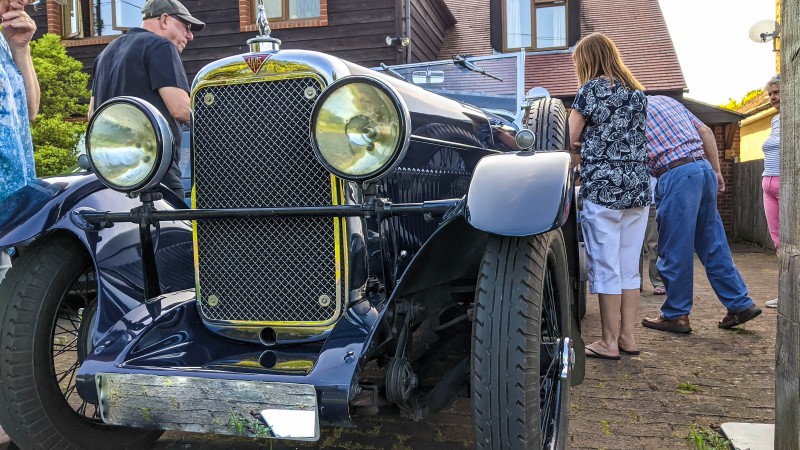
(637, 27)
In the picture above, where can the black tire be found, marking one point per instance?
(521, 329)
(39, 331)
(547, 118)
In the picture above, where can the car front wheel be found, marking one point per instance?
(46, 300)
(521, 352)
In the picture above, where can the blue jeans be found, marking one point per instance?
(688, 222)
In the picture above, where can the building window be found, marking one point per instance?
(95, 18)
(534, 24)
(278, 10)
(284, 14)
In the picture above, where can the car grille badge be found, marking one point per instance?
(256, 62)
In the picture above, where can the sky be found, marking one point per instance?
(718, 59)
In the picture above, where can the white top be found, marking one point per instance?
(772, 149)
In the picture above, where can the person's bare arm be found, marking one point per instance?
(178, 104)
(576, 123)
(91, 107)
(712, 154)
(18, 29)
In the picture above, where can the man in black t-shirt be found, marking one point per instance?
(145, 63)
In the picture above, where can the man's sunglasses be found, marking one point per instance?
(186, 24)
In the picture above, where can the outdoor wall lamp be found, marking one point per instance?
(402, 40)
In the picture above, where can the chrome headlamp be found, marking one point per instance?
(360, 128)
(129, 144)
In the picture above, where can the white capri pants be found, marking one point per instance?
(613, 239)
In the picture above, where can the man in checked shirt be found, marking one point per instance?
(683, 157)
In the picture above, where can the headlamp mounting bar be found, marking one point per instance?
(380, 208)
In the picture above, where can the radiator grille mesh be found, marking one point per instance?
(251, 149)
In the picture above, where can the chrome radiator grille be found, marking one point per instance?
(251, 149)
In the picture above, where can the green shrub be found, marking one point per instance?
(61, 79)
(52, 160)
(63, 95)
(55, 132)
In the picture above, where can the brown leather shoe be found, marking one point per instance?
(732, 319)
(679, 324)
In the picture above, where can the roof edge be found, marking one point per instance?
(758, 114)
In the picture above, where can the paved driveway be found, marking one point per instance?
(708, 377)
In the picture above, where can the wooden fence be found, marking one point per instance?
(749, 221)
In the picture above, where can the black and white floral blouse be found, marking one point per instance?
(614, 154)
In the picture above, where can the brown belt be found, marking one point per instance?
(677, 163)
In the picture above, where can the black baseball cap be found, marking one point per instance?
(155, 8)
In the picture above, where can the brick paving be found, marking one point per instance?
(634, 403)
(637, 403)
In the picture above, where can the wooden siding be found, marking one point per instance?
(471, 34)
(749, 221)
(356, 32)
(430, 20)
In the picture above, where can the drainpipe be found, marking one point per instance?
(408, 31)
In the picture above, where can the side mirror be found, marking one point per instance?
(83, 162)
(427, 77)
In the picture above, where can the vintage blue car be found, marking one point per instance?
(353, 240)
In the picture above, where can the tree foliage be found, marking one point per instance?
(734, 105)
(63, 95)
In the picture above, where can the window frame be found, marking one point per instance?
(284, 13)
(247, 18)
(535, 5)
(114, 25)
(80, 32)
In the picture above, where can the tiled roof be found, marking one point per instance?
(637, 27)
(756, 104)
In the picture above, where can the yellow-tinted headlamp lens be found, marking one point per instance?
(123, 147)
(358, 130)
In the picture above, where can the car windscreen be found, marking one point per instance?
(492, 82)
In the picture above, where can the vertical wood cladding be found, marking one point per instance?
(356, 31)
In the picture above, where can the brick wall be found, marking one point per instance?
(727, 200)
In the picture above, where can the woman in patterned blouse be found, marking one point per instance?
(607, 132)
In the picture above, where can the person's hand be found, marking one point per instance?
(18, 4)
(720, 182)
(18, 27)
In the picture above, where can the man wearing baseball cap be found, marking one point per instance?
(145, 62)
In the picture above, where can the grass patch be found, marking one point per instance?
(606, 428)
(685, 387)
(332, 437)
(700, 439)
(247, 426)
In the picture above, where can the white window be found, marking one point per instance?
(93, 18)
(278, 10)
(534, 24)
